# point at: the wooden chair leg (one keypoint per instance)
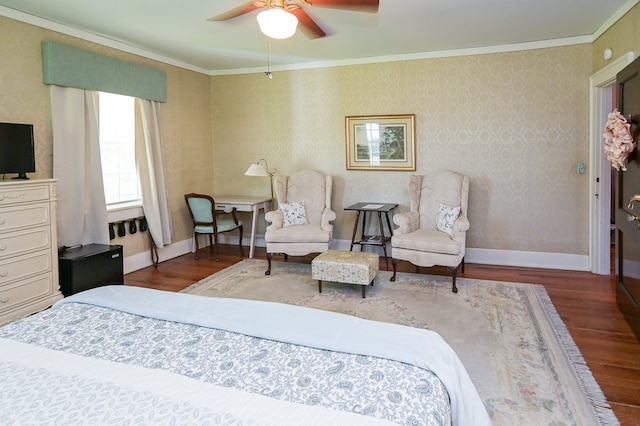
(268, 271)
(454, 271)
(215, 246)
(462, 265)
(394, 263)
(319, 286)
(240, 242)
(195, 239)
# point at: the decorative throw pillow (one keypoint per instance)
(294, 214)
(446, 216)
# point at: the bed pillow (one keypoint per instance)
(294, 214)
(446, 216)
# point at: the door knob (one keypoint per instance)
(634, 199)
(633, 218)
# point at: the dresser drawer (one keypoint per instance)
(23, 292)
(27, 216)
(24, 194)
(28, 265)
(21, 242)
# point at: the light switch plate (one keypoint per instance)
(582, 168)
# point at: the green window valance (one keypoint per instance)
(68, 66)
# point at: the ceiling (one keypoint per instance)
(179, 30)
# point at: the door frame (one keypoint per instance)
(600, 105)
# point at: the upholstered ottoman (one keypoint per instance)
(349, 267)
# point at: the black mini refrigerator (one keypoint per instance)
(90, 266)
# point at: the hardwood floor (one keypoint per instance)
(585, 302)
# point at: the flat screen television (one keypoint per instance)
(17, 152)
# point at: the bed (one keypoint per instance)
(120, 354)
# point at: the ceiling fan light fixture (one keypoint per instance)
(277, 23)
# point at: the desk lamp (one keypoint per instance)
(257, 169)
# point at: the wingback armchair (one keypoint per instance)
(434, 231)
(301, 224)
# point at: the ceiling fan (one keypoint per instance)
(286, 10)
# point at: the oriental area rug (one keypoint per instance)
(515, 347)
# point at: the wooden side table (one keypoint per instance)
(376, 240)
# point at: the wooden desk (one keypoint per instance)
(244, 204)
(377, 240)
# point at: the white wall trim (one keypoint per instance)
(600, 171)
(525, 259)
(503, 48)
(142, 260)
(124, 46)
(104, 41)
(528, 259)
(613, 19)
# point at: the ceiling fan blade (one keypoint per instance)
(305, 23)
(238, 11)
(370, 6)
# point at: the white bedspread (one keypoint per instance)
(309, 327)
(45, 387)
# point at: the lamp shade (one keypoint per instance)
(277, 23)
(256, 170)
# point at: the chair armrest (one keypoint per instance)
(460, 227)
(328, 215)
(407, 222)
(276, 218)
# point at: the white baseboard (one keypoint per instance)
(528, 259)
(142, 260)
(525, 259)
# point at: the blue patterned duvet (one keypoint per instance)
(367, 385)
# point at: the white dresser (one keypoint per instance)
(28, 248)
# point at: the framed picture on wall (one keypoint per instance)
(381, 142)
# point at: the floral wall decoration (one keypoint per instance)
(618, 141)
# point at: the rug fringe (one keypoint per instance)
(601, 408)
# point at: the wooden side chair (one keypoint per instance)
(209, 221)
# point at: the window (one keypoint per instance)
(117, 150)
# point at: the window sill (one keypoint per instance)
(124, 212)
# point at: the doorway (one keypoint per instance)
(602, 102)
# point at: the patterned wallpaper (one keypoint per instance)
(186, 124)
(516, 123)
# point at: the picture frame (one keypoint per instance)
(381, 142)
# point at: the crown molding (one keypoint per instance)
(139, 51)
(98, 39)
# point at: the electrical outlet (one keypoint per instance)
(582, 168)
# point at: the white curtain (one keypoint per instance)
(82, 211)
(151, 172)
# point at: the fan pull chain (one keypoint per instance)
(268, 73)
